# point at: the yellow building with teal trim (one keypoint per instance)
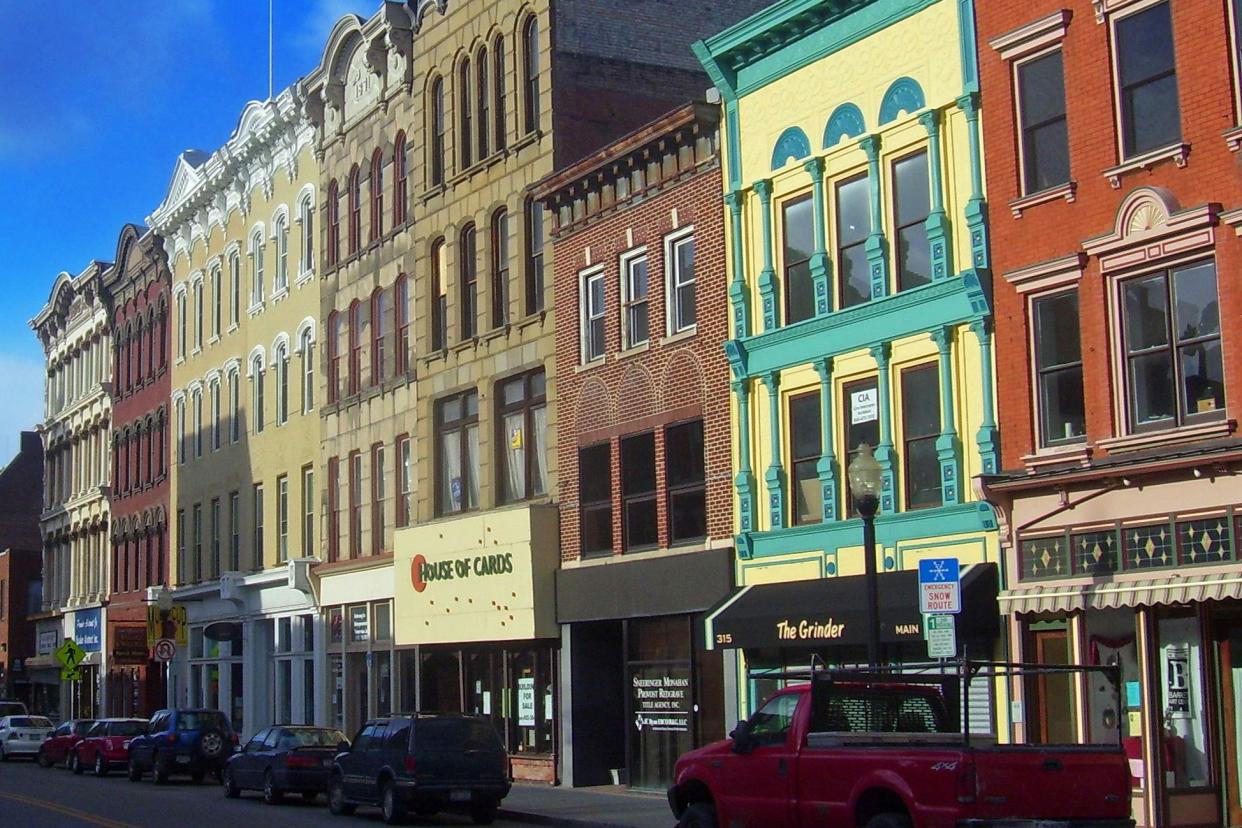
(859, 308)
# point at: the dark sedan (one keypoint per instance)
(284, 759)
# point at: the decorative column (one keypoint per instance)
(767, 276)
(876, 246)
(976, 208)
(946, 443)
(745, 479)
(774, 477)
(738, 297)
(884, 451)
(986, 438)
(827, 465)
(937, 223)
(821, 275)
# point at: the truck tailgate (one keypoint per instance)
(1061, 782)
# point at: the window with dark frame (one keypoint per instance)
(401, 180)
(639, 508)
(534, 256)
(798, 229)
(1058, 369)
(1043, 124)
(198, 542)
(405, 481)
(1175, 373)
(355, 210)
(457, 453)
(530, 66)
(592, 316)
(853, 202)
(595, 499)
(498, 87)
(401, 314)
(334, 506)
(257, 511)
(439, 298)
(805, 446)
(637, 303)
(465, 103)
(484, 103)
(523, 421)
(468, 270)
(379, 492)
(920, 425)
(216, 562)
(685, 480)
(334, 356)
(234, 531)
(379, 335)
(436, 145)
(500, 268)
(357, 336)
(911, 206)
(377, 195)
(334, 228)
(355, 504)
(1147, 80)
(861, 414)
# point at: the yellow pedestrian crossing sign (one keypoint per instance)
(70, 655)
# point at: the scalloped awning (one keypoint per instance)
(1174, 588)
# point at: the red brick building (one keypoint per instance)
(21, 564)
(1112, 137)
(137, 289)
(643, 449)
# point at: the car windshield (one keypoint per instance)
(201, 720)
(29, 721)
(81, 727)
(311, 738)
(127, 728)
(456, 734)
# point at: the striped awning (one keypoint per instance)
(1175, 588)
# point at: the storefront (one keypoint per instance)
(135, 682)
(639, 685)
(475, 626)
(44, 671)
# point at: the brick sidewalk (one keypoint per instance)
(601, 807)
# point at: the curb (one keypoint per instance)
(530, 818)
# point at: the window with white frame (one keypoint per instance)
(282, 384)
(679, 266)
(282, 517)
(198, 314)
(257, 251)
(234, 288)
(1058, 368)
(256, 393)
(216, 301)
(1043, 133)
(181, 320)
(215, 415)
(308, 511)
(306, 215)
(180, 430)
(592, 315)
(282, 255)
(634, 299)
(196, 397)
(1148, 105)
(234, 405)
(307, 346)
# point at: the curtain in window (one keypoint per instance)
(450, 451)
(515, 440)
(539, 440)
(472, 465)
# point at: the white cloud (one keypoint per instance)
(22, 407)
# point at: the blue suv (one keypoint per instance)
(191, 742)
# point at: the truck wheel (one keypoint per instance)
(392, 809)
(336, 798)
(133, 771)
(701, 815)
(889, 821)
(483, 813)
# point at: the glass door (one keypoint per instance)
(1228, 635)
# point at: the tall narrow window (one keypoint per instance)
(498, 91)
(257, 255)
(805, 445)
(1147, 80)
(401, 316)
(401, 180)
(465, 132)
(534, 256)
(405, 481)
(468, 268)
(379, 334)
(1043, 132)
(235, 531)
(920, 426)
(436, 145)
(334, 223)
(439, 301)
(853, 227)
(685, 479)
(198, 324)
(1058, 369)
(334, 506)
(307, 346)
(595, 498)
(911, 204)
(679, 257)
(355, 209)
(282, 255)
(634, 297)
(197, 563)
(183, 569)
(217, 301)
(334, 356)
(638, 492)
(215, 415)
(282, 384)
(377, 195)
(799, 243)
(457, 453)
(234, 288)
(306, 215)
(282, 518)
(485, 104)
(256, 394)
(500, 268)
(523, 420)
(308, 512)
(181, 336)
(257, 507)
(357, 336)
(355, 505)
(234, 405)
(216, 562)
(592, 315)
(861, 416)
(530, 66)
(197, 399)
(379, 493)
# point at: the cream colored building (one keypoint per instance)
(240, 231)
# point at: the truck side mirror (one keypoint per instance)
(743, 741)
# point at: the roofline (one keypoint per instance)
(1052, 479)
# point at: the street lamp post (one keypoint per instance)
(866, 478)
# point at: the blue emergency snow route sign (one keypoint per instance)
(940, 586)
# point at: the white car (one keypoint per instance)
(22, 735)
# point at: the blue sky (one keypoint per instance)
(96, 100)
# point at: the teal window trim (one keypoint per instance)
(767, 276)
(946, 443)
(792, 145)
(774, 477)
(845, 123)
(821, 267)
(937, 224)
(877, 245)
(744, 481)
(882, 353)
(986, 438)
(826, 468)
(976, 207)
(903, 95)
(739, 298)
(968, 40)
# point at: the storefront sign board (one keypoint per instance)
(526, 701)
(940, 585)
(87, 629)
(129, 645)
(47, 641)
(661, 699)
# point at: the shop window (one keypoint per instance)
(457, 448)
(679, 262)
(685, 479)
(595, 498)
(1203, 541)
(523, 418)
(1095, 553)
(1114, 710)
(383, 622)
(1172, 345)
(853, 227)
(359, 625)
(920, 418)
(1043, 134)
(861, 410)
(911, 205)
(634, 299)
(284, 634)
(805, 445)
(336, 631)
(798, 223)
(1147, 80)
(1183, 711)
(1058, 369)
(638, 492)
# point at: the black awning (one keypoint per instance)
(833, 611)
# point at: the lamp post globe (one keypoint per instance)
(866, 480)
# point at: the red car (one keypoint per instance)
(59, 746)
(106, 744)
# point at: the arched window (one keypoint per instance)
(498, 90)
(401, 321)
(485, 104)
(258, 251)
(234, 288)
(139, 335)
(534, 256)
(401, 175)
(163, 337)
(307, 346)
(377, 195)
(334, 223)
(215, 415)
(234, 405)
(198, 314)
(306, 215)
(196, 403)
(181, 337)
(256, 393)
(468, 274)
(151, 339)
(282, 255)
(435, 163)
(217, 301)
(439, 301)
(357, 336)
(379, 333)
(355, 209)
(334, 356)
(530, 67)
(465, 136)
(500, 268)
(282, 384)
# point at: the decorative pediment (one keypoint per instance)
(791, 145)
(1150, 225)
(904, 95)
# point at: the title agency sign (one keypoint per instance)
(87, 630)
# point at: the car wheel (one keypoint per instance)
(75, 763)
(889, 821)
(272, 795)
(101, 767)
(336, 798)
(392, 809)
(41, 758)
(230, 785)
(309, 796)
(211, 744)
(698, 815)
(160, 771)
(484, 813)
(133, 772)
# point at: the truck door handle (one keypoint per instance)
(781, 767)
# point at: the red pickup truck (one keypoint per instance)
(868, 751)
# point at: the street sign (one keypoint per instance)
(940, 585)
(941, 636)
(69, 654)
(70, 674)
(165, 649)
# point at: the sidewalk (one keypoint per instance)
(599, 807)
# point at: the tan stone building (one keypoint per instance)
(434, 120)
(240, 232)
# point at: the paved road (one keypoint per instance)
(31, 797)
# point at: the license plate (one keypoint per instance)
(459, 796)
(183, 760)
(327, 763)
